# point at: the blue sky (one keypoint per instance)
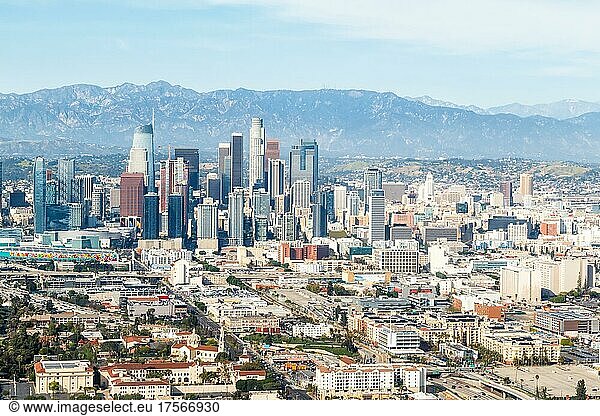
(486, 53)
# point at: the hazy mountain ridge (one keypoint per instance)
(560, 110)
(343, 121)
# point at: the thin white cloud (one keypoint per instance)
(455, 26)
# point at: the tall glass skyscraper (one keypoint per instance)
(66, 178)
(143, 138)
(237, 159)
(261, 207)
(39, 195)
(175, 229)
(192, 157)
(304, 163)
(224, 171)
(151, 219)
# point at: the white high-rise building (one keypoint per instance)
(138, 162)
(428, 190)
(236, 217)
(520, 284)
(143, 138)
(257, 154)
(339, 201)
(301, 194)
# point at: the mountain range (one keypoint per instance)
(560, 110)
(84, 118)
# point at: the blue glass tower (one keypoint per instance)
(39, 195)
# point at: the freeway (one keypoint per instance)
(506, 390)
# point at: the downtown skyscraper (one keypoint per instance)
(237, 160)
(256, 173)
(66, 179)
(224, 171)
(304, 163)
(372, 179)
(376, 215)
(39, 195)
(141, 155)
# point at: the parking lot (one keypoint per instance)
(560, 380)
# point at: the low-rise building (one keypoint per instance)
(63, 376)
(567, 322)
(520, 347)
(311, 330)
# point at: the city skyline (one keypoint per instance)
(333, 242)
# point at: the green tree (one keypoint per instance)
(54, 387)
(581, 390)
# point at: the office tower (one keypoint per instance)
(66, 176)
(236, 217)
(176, 217)
(301, 194)
(51, 190)
(191, 156)
(98, 206)
(77, 217)
(326, 197)
(276, 178)
(84, 186)
(1, 182)
(174, 178)
(138, 162)
(151, 219)
(428, 193)
(319, 215)
(376, 215)
(289, 227)
(272, 150)
(256, 171)
(339, 201)
(132, 195)
(57, 217)
(39, 195)
(237, 160)
(224, 172)
(114, 200)
(507, 193)
(372, 179)
(213, 186)
(353, 203)
(261, 207)
(143, 138)
(207, 219)
(526, 184)
(304, 163)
